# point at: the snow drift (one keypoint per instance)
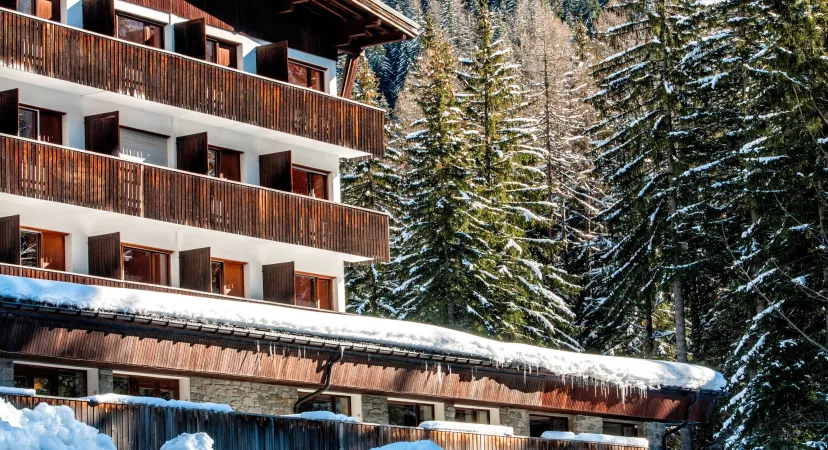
(419, 445)
(47, 428)
(186, 441)
(595, 438)
(623, 372)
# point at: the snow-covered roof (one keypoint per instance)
(619, 371)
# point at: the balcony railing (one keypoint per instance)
(58, 51)
(76, 177)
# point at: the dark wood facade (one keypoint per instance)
(47, 172)
(135, 427)
(46, 48)
(104, 344)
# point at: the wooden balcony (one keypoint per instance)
(60, 174)
(58, 51)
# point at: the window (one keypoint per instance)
(140, 31)
(221, 53)
(40, 124)
(45, 9)
(620, 429)
(224, 163)
(409, 414)
(306, 75)
(42, 249)
(146, 386)
(312, 183)
(143, 146)
(469, 415)
(334, 403)
(539, 424)
(313, 291)
(51, 380)
(227, 278)
(145, 265)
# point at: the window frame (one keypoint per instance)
(550, 418)
(52, 373)
(417, 412)
(146, 22)
(38, 128)
(223, 281)
(474, 412)
(332, 398)
(161, 251)
(624, 426)
(40, 232)
(316, 277)
(220, 151)
(234, 51)
(309, 67)
(134, 384)
(311, 171)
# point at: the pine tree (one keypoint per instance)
(391, 62)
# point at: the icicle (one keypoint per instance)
(257, 346)
(440, 373)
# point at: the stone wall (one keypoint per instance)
(588, 424)
(375, 409)
(6, 373)
(243, 396)
(105, 381)
(518, 419)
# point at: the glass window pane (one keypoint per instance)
(211, 51)
(21, 382)
(305, 291)
(120, 385)
(217, 277)
(42, 385)
(318, 403)
(130, 29)
(612, 428)
(137, 265)
(300, 182)
(426, 413)
(27, 123)
(26, 6)
(154, 35)
(319, 185)
(71, 384)
(212, 162)
(30, 248)
(160, 269)
(403, 415)
(343, 405)
(297, 74)
(482, 417)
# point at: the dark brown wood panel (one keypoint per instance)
(272, 60)
(9, 110)
(276, 171)
(99, 16)
(191, 153)
(138, 427)
(278, 283)
(51, 127)
(105, 256)
(147, 348)
(10, 239)
(54, 50)
(103, 133)
(194, 269)
(191, 38)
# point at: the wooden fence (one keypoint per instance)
(60, 174)
(54, 50)
(135, 427)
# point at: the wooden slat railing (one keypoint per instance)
(60, 174)
(136, 427)
(78, 56)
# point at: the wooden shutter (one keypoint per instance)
(191, 153)
(191, 38)
(52, 250)
(233, 279)
(194, 269)
(276, 171)
(9, 111)
(103, 133)
(10, 240)
(99, 16)
(278, 282)
(51, 127)
(105, 256)
(272, 61)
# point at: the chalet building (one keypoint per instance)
(171, 226)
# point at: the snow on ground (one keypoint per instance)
(494, 430)
(154, 401)
(324, 415)
(17, 391)
(419, 445)
(595, 438)
(186, 441)
(623, 372)
(47, 428)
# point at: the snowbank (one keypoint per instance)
(325, 415)
(17, 391)
(47, 428)
(623, 372)
(595, 438)
(153, 401)
(186, 441)
(419, 445)
(494, 430)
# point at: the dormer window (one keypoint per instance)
(140, 31)
(306, 75)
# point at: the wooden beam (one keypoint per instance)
(376, 39)
(354, 29)
(349, 75)
(286, 6)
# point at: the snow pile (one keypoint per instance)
(595, 438)
(17, 391)
(198, 441)
(47, 428)
(494, 430)
(623, 372)
(419, 445)
(325, 415)
(153, 401)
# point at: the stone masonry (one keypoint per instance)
(105, 381)
(243, 396)
(588, 424)
(518, 419)
(654, 431)
(6, 373)
(375, 409)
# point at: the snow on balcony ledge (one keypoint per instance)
(492, 430)
(625, 373)
(595, 438)
(17, 391)
(154, 401)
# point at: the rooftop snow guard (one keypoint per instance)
(622, 372)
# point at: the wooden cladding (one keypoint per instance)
(194, 269)
(191, 38)
(56, 51)
(103, 133)
(138, 427)
(278, 283)
(105, 256)
(42, 171)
